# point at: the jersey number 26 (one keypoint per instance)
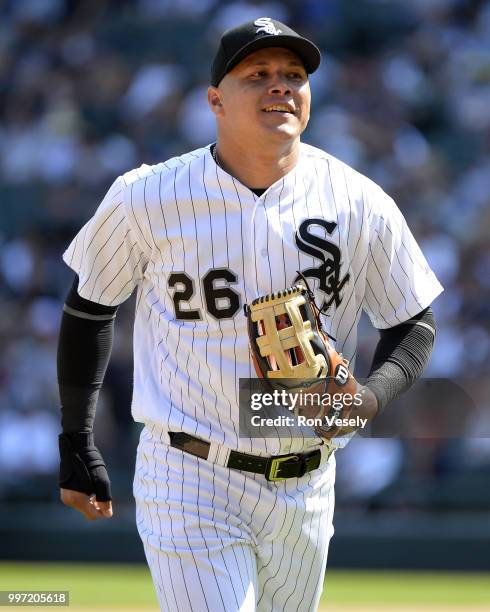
(222, 302)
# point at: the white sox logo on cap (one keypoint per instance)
(237, 43)
(264, 24)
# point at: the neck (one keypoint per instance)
(255, 167)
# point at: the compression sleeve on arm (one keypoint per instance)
(84, 348)
(401, 356)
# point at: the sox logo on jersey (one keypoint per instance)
(327, 273)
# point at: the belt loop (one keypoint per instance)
(218, 454)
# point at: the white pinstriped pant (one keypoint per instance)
(218, 539)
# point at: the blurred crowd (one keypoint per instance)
(90, 89)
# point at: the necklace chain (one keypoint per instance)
(214, 154)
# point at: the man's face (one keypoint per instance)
(266, 95)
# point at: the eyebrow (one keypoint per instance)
(266, 62)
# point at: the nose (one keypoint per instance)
(279, 85)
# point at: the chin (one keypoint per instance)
(283, 131)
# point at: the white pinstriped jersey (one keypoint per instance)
(198, 244)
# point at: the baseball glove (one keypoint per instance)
(291, 351)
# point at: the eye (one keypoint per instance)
(258, 74)
(297, 76)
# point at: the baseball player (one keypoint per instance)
(230, 522)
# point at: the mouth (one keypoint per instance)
(279, 108)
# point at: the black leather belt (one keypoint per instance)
(275, 468)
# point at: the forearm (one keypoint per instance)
(401, 356)
(84, 348)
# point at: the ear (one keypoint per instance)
(214, 100)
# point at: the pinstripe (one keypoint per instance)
(99, 229)
(161, 583)
(255, 508)
(203, 538)
(199, 276)
(266, 519)
(392, 276)
(219, 322)
(267, 238)
(314, 576)
(366, 300)
(254, 244)
(373, 259)
(355, 319)
(350, 207)
(360, 231)
(330, 509)
(150, 310)
(118, 272)
(243, 274)
(85, 246)
(242, 263)
(136, 218)
(150, 514)
(309, 214)
(138, 296)
(300, 563)
(179, 325)
(166, 463)
(172, 261)
(285, 282)
(293, 208)
(400, 263)
(386, 225)
(72, 257)
(236, 573)
(187, 374)
(130, 281)
(239, 569)
(373, 294)
(279, 565)
(343, 307)
(228, 264)
(99, 251)
(293, 555)
(203, 591)
(84, 232)
(345, 310)
(332, 191)
(223, 546)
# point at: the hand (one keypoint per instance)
(367, 410)
(84, 481)
(89, 506)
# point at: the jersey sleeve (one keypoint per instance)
(106, 254)
(399, 281)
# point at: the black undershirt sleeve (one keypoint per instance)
(84, 348)
(401, 355)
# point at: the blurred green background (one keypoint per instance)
(93, 587)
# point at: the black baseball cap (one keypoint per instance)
(237, 43)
